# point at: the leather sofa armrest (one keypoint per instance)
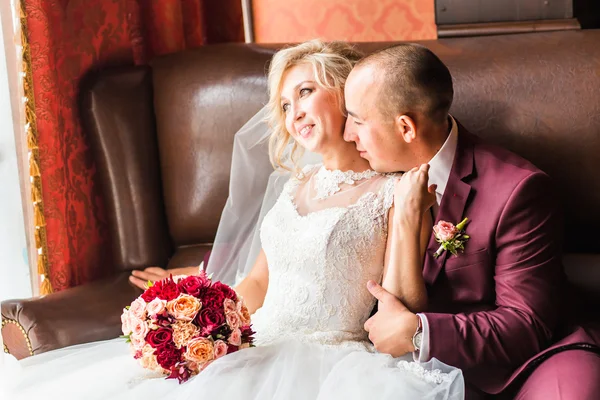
(82, 314)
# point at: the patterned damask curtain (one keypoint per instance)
(66, 39)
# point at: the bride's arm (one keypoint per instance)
(408, 234)
(254, 287)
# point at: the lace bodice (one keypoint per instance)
(320, 260)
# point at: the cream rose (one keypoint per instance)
(183, 332)
(185, 307)
(138, 308)
(156, 306)
(220, 349)
(445, 230)
(236, 337)
(200, 350)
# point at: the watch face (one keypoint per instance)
(418, 340)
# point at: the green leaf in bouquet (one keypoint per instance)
(149, 284)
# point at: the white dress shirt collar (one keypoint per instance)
(441, 164)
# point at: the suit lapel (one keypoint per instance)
(453, 202)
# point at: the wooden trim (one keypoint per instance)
(248, 21)
(503, 28)
(20, 327)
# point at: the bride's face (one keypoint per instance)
(312, 113)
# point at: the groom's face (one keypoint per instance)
(367, 126)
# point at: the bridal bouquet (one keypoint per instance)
(181, 324)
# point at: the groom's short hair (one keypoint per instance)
(412, 79)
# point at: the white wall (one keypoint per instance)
(15, 279)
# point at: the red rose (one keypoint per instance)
(160, 337)
(212, 298)
(210, 319)
(192, 285)
(228, 292)
(167, 356)
(168, 290)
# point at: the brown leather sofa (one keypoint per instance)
(162, 138)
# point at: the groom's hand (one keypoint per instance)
(391, 329)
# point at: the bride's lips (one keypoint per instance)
(305, 130)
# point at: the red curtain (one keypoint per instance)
(67, 38)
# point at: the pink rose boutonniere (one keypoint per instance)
(451, 238)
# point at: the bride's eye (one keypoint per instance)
(305, 91)
(285, 108)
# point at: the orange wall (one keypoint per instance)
(284, 21)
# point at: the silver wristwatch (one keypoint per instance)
(417, 338)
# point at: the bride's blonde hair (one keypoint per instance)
(331, 63)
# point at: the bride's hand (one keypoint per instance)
(153, 274)
(411, 194)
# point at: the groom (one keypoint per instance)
(493, 309)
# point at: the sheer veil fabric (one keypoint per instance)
(253, 189)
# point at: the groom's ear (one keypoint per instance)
(406, 128)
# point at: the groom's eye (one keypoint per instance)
(357, 122)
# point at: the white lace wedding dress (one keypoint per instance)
(324, 239)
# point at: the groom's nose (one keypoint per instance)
(349, 134)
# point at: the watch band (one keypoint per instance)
(417, 332)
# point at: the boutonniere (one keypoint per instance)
(451, 238)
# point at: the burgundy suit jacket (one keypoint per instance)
(495, 308)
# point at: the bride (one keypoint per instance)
(332, 227)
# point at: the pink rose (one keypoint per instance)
(220, 349)
(138, 308)
(139, 329)
(125, 322)
(236, 337)
(156, 306)
(233, 320)
(229, 306)
(445, 230)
